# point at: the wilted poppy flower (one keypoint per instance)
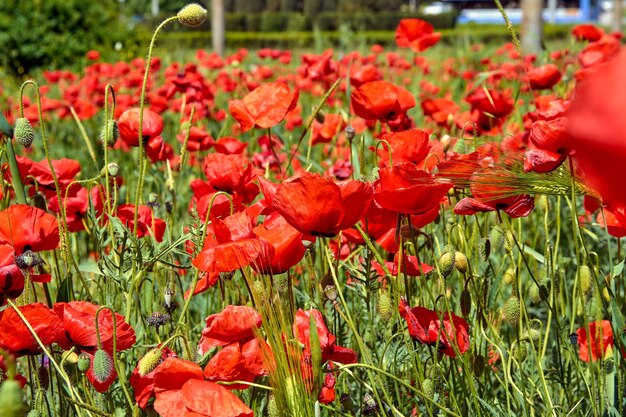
(594, 347)
(147, 224)
(405, 189)
(23, 228)
(416, 34)
(380, 100)
(11, 283)
(544, 77)
(16, 338)
(180, 389)
(128, 124)
(265, 106)
(320, 207)
(426, 327)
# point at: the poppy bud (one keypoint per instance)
(110, 133)
(520, 351)
(192, 15)
(369, 405)
(102, 365)
(149, 362)
(11, 403)
(330, 292)
(384, 305)
(509, 241)
(350, 133)
(460, 262)
(466, 303)
(585, 279)
(44, 378)
(319, 117)
(347, 404)
(511, 310)
(496, 237)
(509, 276)
(484, 249)
(23, 132)
(38, 200)
(168, 293)
(479, 365)
(606, 295)
(69, 357)
(534, 294)
(408, 232)
(272, 407)
(84, 362)
(153, 200)
(428, 388)
(446, 263)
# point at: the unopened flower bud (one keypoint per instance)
(102, 365)
(585, 279)
(113, 169)
(350, 133)
(460, 262)
(446, 263)
(109, 133)
(466, 303)
(385, 309)
(192, 15)
(83, 362)
(149, 362)
(23, 132)
(511, 310)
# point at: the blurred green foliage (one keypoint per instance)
(56, 33)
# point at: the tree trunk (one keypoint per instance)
(218, 36)
(532, 26)
(616, 25)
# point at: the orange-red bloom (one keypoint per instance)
(416, 34)
(594, 347)
(380, 100)
(265, 106)
(16, 338)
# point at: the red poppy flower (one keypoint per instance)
(147, 224)
(330, 351)
(233, 324)
(416, 34)
(128, 124)
(11, 283)
(239, 361)
(587, 32)
(181, 390)
(265, 106)
(320, 207)
(406, 146)
(597, 128)
(39, 172)
(426, 327)
(17, 339)
(410, 266)
(232, 174)
(441, 110)
(230, 256)
(199, 139)
(326, 131)
(544, 77)
(23, 228)
(76, 206)
(551, 141)
(143, 386)
(287, 243)
(601, 51)
(80, 331)
(405, 189)
(364, 74)
(380, 100)
(592, 348)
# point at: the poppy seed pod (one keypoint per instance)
(192, 15)
(102, 365)
(23, 132)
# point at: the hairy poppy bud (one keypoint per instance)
(520, 351)
(149, 362)
(496, 237)
(534, 293)
(102, 365)
(460, 262)
(110, 133)
(11, 403)
(347, 404)
(479, 365)
(44, 378)
(428, 388)
(23, 132)
(69, 357)
(585, 279)
(192, 15)
(511, 310)
(509, 241)
(484, 249)
(83, 362)
(466, 303)
(384, 305)
(113, 169)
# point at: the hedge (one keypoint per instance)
(296, 39)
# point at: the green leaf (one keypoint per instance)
(5, 127)
(617, 269)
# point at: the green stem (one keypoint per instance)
(18, 186)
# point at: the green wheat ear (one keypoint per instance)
(5, 127)
(102, 365)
